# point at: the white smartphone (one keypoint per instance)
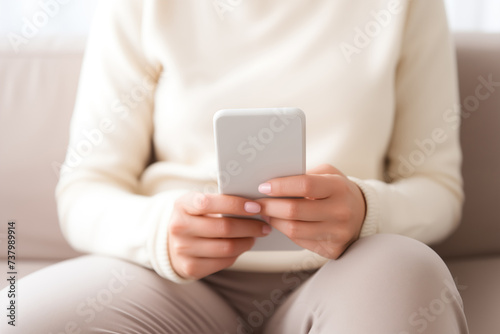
(254, 146)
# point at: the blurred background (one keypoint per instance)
(74, 16)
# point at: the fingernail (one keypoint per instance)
(266, 229)
(265, 188)
(252, 207)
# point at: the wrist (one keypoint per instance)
(370, 221)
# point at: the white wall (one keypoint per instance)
(475, 15)
(51, 17)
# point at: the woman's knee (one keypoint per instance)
(395, 263)
(394, 278)
(387, 256)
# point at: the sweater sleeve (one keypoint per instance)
(422, 196)
(100, 206)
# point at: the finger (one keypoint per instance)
(295, 229)
(220, 227)
(201, 204)
(324, 169)
(312, 186)
(212, 247)
(295, 209)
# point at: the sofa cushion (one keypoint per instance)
(477, 281)
(37, 94)
(479, 62)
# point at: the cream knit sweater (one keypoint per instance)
(375, 78)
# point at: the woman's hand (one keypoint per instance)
(326, 219)
(202, 242)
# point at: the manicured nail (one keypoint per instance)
(266, 229)
(265, 188)
(252, 207)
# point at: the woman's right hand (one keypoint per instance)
(202, 242)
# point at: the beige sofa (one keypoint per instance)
(37, 91)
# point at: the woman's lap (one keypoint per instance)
(94, 294)
(382, 284)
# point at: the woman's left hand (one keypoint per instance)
(328, 216)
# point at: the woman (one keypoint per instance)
(376, 80)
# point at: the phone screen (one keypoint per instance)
(254, 146)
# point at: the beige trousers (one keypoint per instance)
(383, 284)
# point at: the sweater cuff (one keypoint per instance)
(158, 240)
(370, 224)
